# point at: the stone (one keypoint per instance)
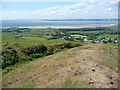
(111, 83)
(91, 83)
(93, 70)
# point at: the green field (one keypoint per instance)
(109, 36)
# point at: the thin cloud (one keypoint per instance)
(82, 9)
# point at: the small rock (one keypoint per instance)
(97, 65)
(75, 74)
(91, 83)
(110, 77)
(9, 82)
(93, 70)
(111, 83)
(83, 59)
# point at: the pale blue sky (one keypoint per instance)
(60, 10)
(28, 6)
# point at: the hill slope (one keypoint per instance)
(89, 66)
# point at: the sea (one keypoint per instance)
(31, 23)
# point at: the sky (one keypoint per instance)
(83, 9)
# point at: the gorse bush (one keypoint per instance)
(27, 58)
(37, 55)
(58, 47)
(9, 68)
(59, 50)
(68, 45)
(10, 58)
(76, 45)
(35, 49)
(54, 47)
(48, 52)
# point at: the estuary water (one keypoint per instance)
(30, 23)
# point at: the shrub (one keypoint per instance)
(76, 45)
(54, 47)
(67, 45)
(35, 49)
(27, 58)
(9, 68)
(59, 47)
(59, 50)
(10, 58)
(48, 52)
(37, 55)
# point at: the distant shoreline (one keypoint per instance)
(86, 26)
(58, 27)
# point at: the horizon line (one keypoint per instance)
(64, 19)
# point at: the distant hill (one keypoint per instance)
(60, 20)
(79, 19)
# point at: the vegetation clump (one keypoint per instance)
(9, 58)
(35, 49)
(16, 30)
(65, 45)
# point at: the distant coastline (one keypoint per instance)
(35, 27)
(56, 24)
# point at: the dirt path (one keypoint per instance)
(94, 66)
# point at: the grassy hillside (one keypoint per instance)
(88, 66)
(59, 58)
